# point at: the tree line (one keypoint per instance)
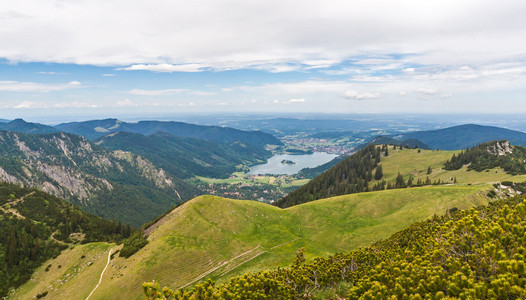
(487, 156)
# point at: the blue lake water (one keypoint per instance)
(275, 167)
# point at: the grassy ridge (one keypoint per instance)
(411, 162)
(217, 238)
(212, 237)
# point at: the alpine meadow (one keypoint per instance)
(232, 150)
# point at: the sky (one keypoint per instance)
(113, 57)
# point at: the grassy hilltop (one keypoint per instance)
(217, 238)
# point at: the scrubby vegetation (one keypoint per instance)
(133, 244)
(476, 254)
(37, 226)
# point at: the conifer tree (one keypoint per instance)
(379, 173)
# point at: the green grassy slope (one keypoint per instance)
(212, 237)
(410, 162)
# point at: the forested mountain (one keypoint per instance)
(491, 155)
(476, 254)
(20, 125)
(98, 128)
(187, 157)
(463, 136)
(111, 184)
(351, 175)
(410, 142)
(36, 226)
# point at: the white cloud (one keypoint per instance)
(165, 68)
(29, 105)
(108, 75)
(354, 95)
(427, 91)
(125, 103)
(52, 73)
(168, 92)
(222, 35)
(164, 92)
(301, 87)
(75, 104)
(201, 93)
(20, 86)
(294, 101)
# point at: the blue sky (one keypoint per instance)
(104, 58)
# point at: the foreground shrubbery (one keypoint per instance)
(476, 254)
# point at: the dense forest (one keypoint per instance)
(490, 155)
(187, 157)
(351, 175)
(37, 226)
(475, 254)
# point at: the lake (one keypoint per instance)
(275, 167)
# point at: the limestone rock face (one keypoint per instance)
(72, 168)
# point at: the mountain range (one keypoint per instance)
(95, 129)
(111, 184)
(464, 136)
(20, 125)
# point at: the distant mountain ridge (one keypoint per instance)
(463, 136)
(111, 184)
(95, 129)
(20, 125)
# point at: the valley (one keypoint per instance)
(216, 238)
(337, 205)
(262, 150)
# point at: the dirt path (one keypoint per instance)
(9, 206)
(101, 274)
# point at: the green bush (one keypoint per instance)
(133, 244)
